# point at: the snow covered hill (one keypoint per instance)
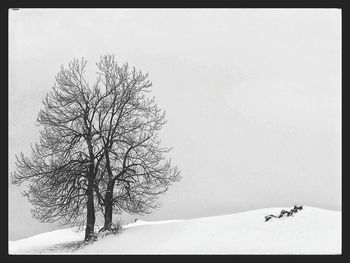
(310, 231)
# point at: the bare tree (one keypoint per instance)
(96, 144)
(62, 167)
(135, 169)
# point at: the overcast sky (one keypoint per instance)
(252, 96)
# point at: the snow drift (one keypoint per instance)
(310, 231)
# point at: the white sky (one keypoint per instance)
(253, 98)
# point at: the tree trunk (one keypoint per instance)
(109, 196)
(108, 208)
(90, 217)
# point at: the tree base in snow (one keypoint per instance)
(90, 239)
(115, 228)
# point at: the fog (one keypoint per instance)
(252, 97)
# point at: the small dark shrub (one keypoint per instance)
(283, 213)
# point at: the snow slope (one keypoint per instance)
(310, 231)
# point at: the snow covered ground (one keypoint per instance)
(310, 231)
